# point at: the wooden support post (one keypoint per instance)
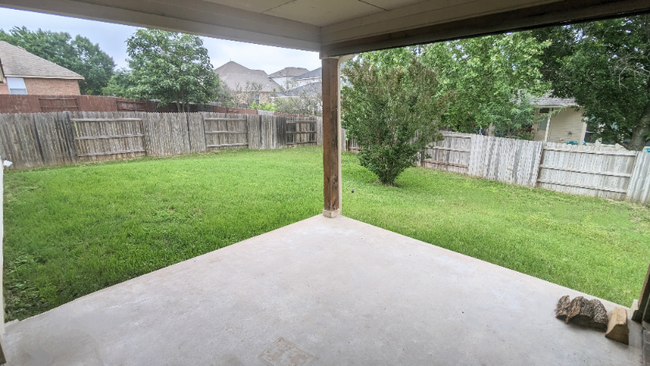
(644, 300)
(331, 137)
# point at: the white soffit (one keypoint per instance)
(323, 12)
(335, 27)
(256, 6)
(419, 15)
(190, 16)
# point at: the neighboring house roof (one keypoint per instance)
(548, 101)
(16, 62)
(310, 90)
(289, 72)
(312, 74)
(236, 76)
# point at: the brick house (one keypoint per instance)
(24, 73)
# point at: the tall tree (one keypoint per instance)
(171, 67)
(392, 113)
(605, 66)
(120, 84)
(78, 54)
(494, 80)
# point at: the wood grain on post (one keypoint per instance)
(617, 326)
(331, 138)
(637, 315)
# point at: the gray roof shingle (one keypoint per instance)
(548, 101)
(309, 90)
(16, 62)
(312, 74)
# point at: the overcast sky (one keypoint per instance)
(112, 37)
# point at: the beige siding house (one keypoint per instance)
(564, 123)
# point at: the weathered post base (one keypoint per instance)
(332, 214)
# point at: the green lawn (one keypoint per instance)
(73, 230)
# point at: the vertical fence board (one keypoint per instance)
(254, 124)
(196, 132)
(639, 188)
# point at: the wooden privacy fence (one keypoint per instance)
(450, 154)
(585, 170)
(107, 134)
(505, 160)
(43, 139)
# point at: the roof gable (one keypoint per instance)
(289, 72)
(548, 101)
(16, 62)
(236, 76)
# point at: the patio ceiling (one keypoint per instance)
(337, 27)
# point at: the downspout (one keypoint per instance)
(548, 126)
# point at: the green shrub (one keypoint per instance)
(391, 113)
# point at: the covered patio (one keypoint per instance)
(327, 290)
(319, 292)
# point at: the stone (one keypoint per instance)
(617, 326)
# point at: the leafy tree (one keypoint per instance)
(78, 54)
(605, 66)
(263, 106)
(120, 84)
(94, 65)
(243, 96)
(494, 80)
(305, 100)
(171, 67)
(392, 112)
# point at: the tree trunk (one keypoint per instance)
(640, 134)
(178, 107)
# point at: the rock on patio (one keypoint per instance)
(319, 292)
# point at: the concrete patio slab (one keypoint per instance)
(319, 292)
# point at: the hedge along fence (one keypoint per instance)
(46, 139)
(603, 172)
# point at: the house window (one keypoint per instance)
(16, 86)
(543, 110)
